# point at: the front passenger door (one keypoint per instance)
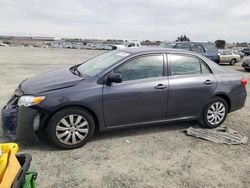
(142, 95)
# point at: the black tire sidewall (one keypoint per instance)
(233, 62)
(203, 119)
(51, 129)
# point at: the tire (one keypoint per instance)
(71, 128)
(233, 62)
(219, 115)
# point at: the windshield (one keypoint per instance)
(100, 63)
(126, 44)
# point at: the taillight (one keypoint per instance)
(244, 82)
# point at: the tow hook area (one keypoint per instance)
(36, 122)
(20, 123)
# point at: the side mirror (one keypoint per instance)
(114, 77)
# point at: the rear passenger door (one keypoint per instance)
(191, 84)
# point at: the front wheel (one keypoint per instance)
(214, 113)
(71, 128)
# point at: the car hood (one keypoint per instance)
(50, 81)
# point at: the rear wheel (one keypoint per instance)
(232, 62)
(71, 128)
(214, 113)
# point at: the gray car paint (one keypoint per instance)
(137, 102)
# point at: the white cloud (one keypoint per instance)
(137, 19)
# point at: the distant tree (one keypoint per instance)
(182, 38)
(243, 44)
(6, 42)
(220, 44)
(158, 42)
(146, 42)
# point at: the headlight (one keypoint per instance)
(30, 100)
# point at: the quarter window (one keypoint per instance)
(204, 69)
(142, 67)
(185, 65)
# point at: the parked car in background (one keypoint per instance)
(128, 44)
(246, 63)
(239, 52)
(246, 51)
(205, 48)
(226, 56)
(120, 89)
(166, 44)
(2, 44)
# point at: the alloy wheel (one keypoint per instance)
(72, 129)
(216, 113)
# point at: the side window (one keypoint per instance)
(131, 45)
(197, 48)
(142, 67)
(184, 65)
(227, 53)
(222, 52)
(204, 69)
(184, 46)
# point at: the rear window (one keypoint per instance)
(184, 46)
(197, 48)
(210, 47)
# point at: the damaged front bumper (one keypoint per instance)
(20, 123)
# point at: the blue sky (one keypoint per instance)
(136, 19)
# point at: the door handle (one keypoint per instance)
(208, 82)
(161, 86)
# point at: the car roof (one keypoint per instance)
(191, 42)
(151, 50)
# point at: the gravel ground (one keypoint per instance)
(155, 156)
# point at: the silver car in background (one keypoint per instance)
(226, 56)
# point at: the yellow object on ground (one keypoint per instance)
(12, 169)
(6, 147)
(3, 165)
(8, 160)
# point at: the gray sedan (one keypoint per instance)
(123, 88)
